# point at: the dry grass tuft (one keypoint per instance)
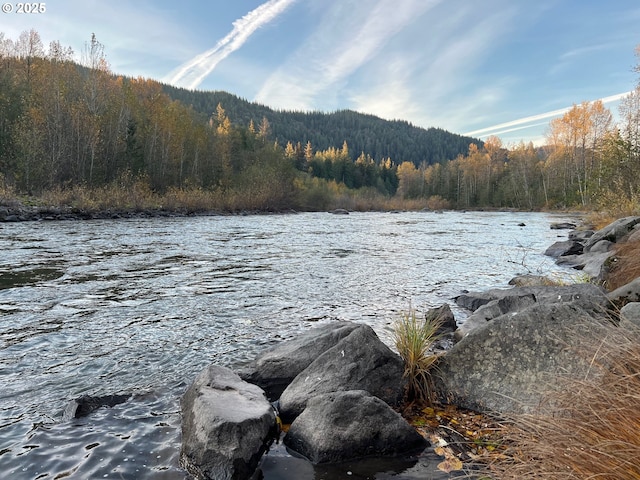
(595, 431)
(414, 339)
(625, 267)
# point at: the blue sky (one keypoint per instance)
(475, 67)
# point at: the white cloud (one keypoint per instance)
(587, 50)
(349, 36)
(437, 83)
(191, 73)
(529, 122)
(134, 34)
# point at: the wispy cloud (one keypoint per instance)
(436, 82)
(134, 36)
(193, 72)
(587, 50)
(339, 46)
(530, 121)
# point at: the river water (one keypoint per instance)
(140, 306)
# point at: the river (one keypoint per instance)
(140, 306)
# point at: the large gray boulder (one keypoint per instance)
(360, 361)
(592, 263)
(507, 365)
(227, 424)
(613, 232)
(341, 426)
(583, 292)
(276, 368)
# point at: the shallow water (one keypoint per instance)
(141, 306)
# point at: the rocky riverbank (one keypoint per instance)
(35, 214)
(340, 387)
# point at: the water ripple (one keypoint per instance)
(141, 306)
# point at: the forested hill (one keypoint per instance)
(398, 140)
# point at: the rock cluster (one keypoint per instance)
(28, 214)
(590, 251)
(519, 343)
(336, 384)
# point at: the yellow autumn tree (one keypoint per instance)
(573, 140)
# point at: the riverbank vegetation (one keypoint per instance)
(594, 430)
(588, 429)
(75, 134)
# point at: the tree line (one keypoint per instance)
(66, 123)
(587, 161)
(380, 139)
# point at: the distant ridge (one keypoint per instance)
(395, 139)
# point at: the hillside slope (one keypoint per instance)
(396, 139)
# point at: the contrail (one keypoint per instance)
(191, 73)
(534, 118)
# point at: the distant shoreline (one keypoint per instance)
(27, 213)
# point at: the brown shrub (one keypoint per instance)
(625, 265)
(594, 430)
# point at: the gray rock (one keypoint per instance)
(226, 425)
(635, 234)
(360, 361)
(631, 313)
(583, 292)
(573, 261)
(564, 248)
(580, 235)
(276, 368)
(444, 315)
(602, 246)
(340, 211)
(86, 404)
(595, 263)
(613, 232)
(474, 300)
(528, 280)
(507, 365)
(341, 426)
(625, 294)
(563, 226)
(493, 309)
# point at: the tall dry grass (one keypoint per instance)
(625, 266)
(414, 339)
(125, 194)
(8, 197)
(593, 432)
